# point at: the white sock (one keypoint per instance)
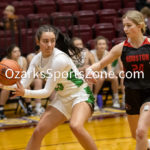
(148, 143)
(95, 96)
(38, 105)
(116, 97)
(1, 108)
(123, 98)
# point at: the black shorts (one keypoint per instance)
(134, 100)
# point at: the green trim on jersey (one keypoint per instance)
(72, 77)
(114, 63)
(59, 87)
(44, 75)
(91, 99)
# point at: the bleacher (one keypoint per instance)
(84, 18)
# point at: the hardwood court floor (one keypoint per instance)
(109, 134)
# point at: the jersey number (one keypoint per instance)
(139, 67)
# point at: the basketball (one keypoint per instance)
(10, 72)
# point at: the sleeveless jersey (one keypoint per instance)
(96, 57)
(20, 61)
(136, 62)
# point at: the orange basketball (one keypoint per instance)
(10, 72)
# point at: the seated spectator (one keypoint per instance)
(31, 55)
(14, 53)
(86, 58)
(37, 84)
(99, 52)
(146, 13)
(9, 19)
(117, 68)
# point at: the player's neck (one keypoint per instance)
(137, 41)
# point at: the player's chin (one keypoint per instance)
(49, 52)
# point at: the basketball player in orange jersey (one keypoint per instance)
(74, 99)
(135, 55)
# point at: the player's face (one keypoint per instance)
(7, 13)
(130, 28)
(47, 43)
(101, 45)
(15, 54)
(78, 43)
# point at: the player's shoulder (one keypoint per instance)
(117, 49)
(37, 55)
(119, 46)
(61, 58)
(22, 58)
(58, 54)
(31, 55)
(93, 50)
(148, 38)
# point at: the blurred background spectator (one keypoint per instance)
(9, 19)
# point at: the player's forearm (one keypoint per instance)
(96, 66)
(43, 93)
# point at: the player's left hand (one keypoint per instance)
(19, 91)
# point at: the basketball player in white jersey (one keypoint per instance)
(74, 99)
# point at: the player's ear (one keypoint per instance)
(140, 26)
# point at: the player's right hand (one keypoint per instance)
(19, 91)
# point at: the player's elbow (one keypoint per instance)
(46, 94)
